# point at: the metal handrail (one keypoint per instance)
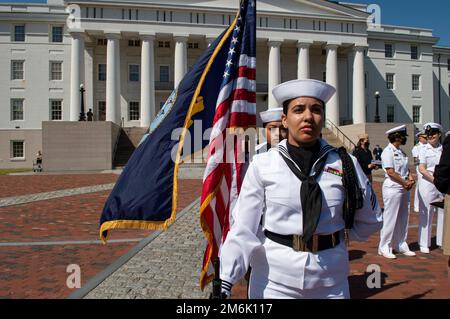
(330, 125)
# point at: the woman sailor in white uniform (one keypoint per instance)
(298, 186)
(429, 157)
(396, 187)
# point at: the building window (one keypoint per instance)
(193, 45)
(16, 109)
(102, 72)
(134, 43)
(417, 116)
(57, 34)
(390, 114)
(55, 110)
(133, 111)
(390, 81)
(164, 73)
(365, 80)
(17, 149)
(17, 70)
(416, 82)
(163, 44)
(102, 110)
(388, 50)
(19, 33)
(133, 72)
(448, 64)
(102, 41)
(414, 52)
(55, 70)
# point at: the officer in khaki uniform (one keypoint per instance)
(395, 191)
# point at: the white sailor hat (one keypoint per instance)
(271, 115)
(303, 88)
(420, 133)
(399, 129)
(432, 126)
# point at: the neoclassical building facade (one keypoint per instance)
(129, 55)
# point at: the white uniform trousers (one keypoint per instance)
(416, 192)
(260, 287)
(426, 213)
(395, 219)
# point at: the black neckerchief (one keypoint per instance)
(310, 192)
(304, 157)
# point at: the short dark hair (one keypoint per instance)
(392, 137)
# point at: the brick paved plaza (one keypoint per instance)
(50, 221)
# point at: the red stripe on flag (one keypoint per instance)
(246, 72)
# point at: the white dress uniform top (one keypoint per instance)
(396, 199)
(428, 193)
(415, 153)
(271, 188)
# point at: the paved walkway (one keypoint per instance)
(24, 199)
(53, 223)
(168, 267)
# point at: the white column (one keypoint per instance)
(113, 78)
(303, 60)
(180, 59)
(274, 70)
(76, 65)
(332, 108)
(147, 80)
(359, 96)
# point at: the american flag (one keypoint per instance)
(235, 109)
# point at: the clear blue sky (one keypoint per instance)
(430, 14)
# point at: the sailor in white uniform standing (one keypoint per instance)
(298, 186)
(395, 191)
(429, 157)
(415, 153)
(273, 129)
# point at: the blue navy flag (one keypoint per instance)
(145, 195)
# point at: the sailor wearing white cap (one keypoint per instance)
(429, 157)
(274, 130)
(422, 137)
(298, 186)
(395, 191)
